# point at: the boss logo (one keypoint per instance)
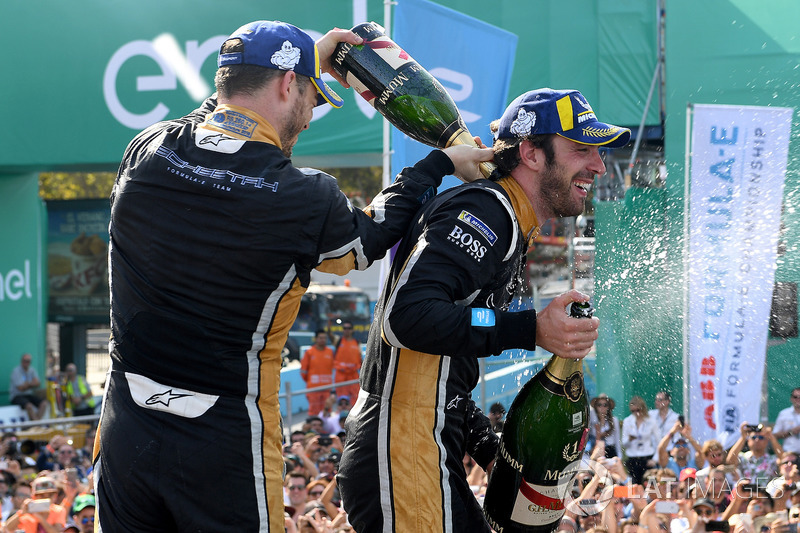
(467, 242)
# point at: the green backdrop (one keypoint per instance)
(720, 52)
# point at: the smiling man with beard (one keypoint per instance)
(446, 303)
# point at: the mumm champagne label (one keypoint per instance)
(537, 505)
(387, 51)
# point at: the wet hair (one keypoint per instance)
(506, 151)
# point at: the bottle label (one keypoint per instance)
(570, 388)
(573, 387)
(395, 57)
(537, 505)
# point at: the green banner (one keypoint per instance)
(22, 288)
(93, 76)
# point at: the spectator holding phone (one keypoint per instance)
(39, 513)
(756, 464)
(781, 487)
(297, 454)
(748, 503)
(680, 455)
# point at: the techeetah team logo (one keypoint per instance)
(287, 57)
(523, 124)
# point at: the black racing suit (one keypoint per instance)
(213, 237)
(444, 305)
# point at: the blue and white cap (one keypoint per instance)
(565, 113)
(278, 45)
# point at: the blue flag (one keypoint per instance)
(473, 60)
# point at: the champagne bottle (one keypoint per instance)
(401, 90)
(541, 447)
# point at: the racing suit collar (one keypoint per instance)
(226, 119)
(522, 207)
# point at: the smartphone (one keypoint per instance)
(667, 507)
(623, 491)
(718, 525)
(681, 420)
(752, 427)
(325, 440)
(72, 475)
(748, 489)
(39, 506)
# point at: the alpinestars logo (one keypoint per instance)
(164, 398)
(453, 404)
(215, 139)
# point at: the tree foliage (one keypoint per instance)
(364, 182)
(75, 185)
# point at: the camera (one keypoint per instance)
(718, 525)
(752, 428)
(325, 440)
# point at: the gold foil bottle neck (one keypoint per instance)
(559, 369)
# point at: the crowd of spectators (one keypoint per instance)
(682, 485)
(665, 480)
(46, 488)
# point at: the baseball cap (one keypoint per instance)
(82, 501)
(703, 502)
(687, 473)
(280, 46)
(561, 112)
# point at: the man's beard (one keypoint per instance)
(557, 192)
(290, 131)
